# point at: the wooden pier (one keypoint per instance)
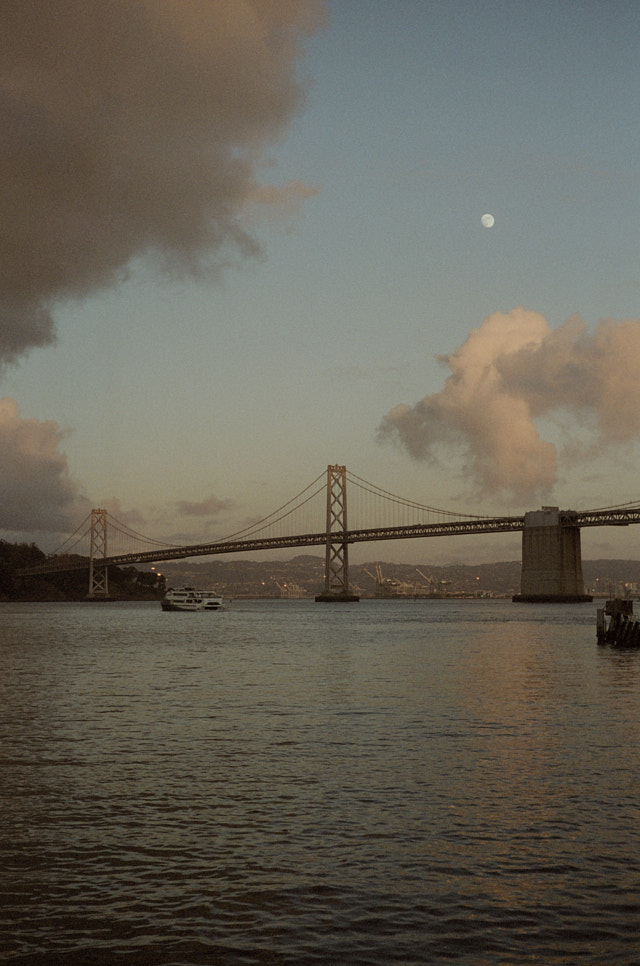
(623, 629)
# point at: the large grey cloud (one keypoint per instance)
(37, 492)
(131, 126)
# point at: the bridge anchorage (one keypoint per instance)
(551, 559)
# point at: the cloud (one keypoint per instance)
(209, 507)
(132, 127)
(513, 370)
(36, 491)
(280, 205)
(129, 516)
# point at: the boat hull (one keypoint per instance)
(183, 608)
(187, 600)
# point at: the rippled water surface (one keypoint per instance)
(291, 783)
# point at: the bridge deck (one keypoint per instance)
(572, 518)
(497, 525)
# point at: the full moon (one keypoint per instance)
(488, 221)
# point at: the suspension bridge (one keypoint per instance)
(317, 517)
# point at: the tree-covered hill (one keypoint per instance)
(125, 583)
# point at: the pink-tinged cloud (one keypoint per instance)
(36, 490)
(511, 371)
(132, 127)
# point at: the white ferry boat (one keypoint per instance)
(186, 598)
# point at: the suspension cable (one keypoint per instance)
(71, 536)
(615, 506)
(293, 509)
(284, 511)
(126, 531)
(393, 498)
(268, 520)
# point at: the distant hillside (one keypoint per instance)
(301, 576)
(272, 578)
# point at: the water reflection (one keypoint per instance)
(291, 784)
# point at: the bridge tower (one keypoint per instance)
(551, 559)
(336, 574)
(98, 571)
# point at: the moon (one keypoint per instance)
(488, 221)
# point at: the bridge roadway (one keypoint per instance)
(480, 525)
(572, 518)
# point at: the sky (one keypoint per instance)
(241, 240)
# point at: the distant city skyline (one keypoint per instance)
(244, 241)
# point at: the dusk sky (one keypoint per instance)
(242, 239)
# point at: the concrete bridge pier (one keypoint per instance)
(551, 560)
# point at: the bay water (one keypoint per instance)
(287, 782)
